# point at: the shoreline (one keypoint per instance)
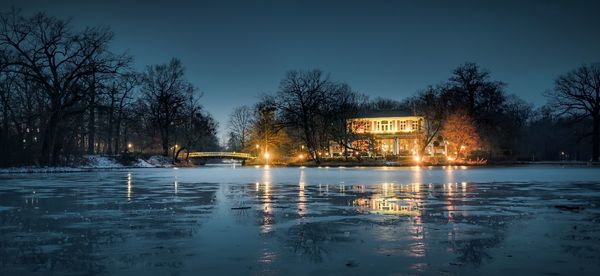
(67, 169)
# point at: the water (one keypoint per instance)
(287, 221)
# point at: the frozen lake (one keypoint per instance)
(288, 221)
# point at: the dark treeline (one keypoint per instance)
(310, 110)
(64, 93)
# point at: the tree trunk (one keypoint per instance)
(117, 135)
(58, 145)
(111, 119)
(92, 125)
(596, 139)
(175, 158)
(49, 140)
(165, 141)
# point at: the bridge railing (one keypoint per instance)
(221, 155)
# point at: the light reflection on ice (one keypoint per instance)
(270, 220)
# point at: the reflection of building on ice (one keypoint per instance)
(389, 206)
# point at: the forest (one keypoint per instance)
(64, 94)
(310, 110)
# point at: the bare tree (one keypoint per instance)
(470, 82)
(301, 100)
(577, 94)
(164, 90)
(429, 104)
(347, 105)
(120, 96)
(46, 51)
(240, 123)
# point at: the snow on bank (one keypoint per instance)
(100, 162)
(160, 161)
(94, 162)
(141, 163)
(34, 169)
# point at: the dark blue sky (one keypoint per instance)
(234, 51)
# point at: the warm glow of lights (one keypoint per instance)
(129, 145)
(417, 158)
(129, 187)
(257, 146)
(267, 155)
(300, 156)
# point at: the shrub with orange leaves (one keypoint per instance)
(461, 134)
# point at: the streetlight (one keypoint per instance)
(267, 158)
(417, 158)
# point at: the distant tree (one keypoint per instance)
(199, 133)
(268, 133)
(303, 99)
(577, 95)
(164, 91)
(471, 83)
(119, 96)
(380, 104)
(471, 88)
(240, 123)
(347, 105)
(460, 132)
(430, 104)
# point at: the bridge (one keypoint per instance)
(222, 155)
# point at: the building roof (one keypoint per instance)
(384, 113)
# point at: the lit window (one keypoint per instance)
(415, 125)
(402, 125)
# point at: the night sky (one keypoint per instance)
(234, 51)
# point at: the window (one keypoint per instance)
(402, 125)
(415, 125)
(384, 125)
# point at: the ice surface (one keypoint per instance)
(289, 221)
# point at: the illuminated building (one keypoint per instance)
(387, 132)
